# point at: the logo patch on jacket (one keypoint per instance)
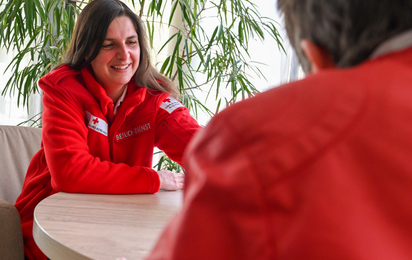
(170, 104)
(134, 131)
(97, 124)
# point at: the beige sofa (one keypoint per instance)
(17, 147)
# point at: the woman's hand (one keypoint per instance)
(171, 180)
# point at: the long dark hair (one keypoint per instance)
(90, 32)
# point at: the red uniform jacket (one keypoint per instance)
(86, 149)
(317, 169)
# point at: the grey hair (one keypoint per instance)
(350, 30)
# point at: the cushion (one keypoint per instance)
(18, 144)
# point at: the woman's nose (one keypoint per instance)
(122, 52)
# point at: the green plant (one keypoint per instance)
(221, 55)
(211, 62)
(39, 31)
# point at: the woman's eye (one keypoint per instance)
(107, 45)
(132, 42)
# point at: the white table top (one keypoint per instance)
(90, 226)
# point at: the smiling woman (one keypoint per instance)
(118, 58)
(105, 108)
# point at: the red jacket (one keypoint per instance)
(86, 149)
(317, 169)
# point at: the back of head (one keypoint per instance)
(349, 30)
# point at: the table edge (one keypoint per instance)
(51, 247)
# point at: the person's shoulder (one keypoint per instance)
(61, 73)
(293, 106)
(65, 81)
(162, 100)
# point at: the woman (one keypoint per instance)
(105, 109)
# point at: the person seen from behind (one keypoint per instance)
(319, 168)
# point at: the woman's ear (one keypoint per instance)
(318, 56)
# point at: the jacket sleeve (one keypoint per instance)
(174, 130)
(220, 194)
(72, 167)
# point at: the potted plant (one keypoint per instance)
(208, 60)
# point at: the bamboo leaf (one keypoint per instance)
(240, 32)
(165, 64)
(172, 14)
(39, 9)
(168, 40)
(211, 40)
(179, 72)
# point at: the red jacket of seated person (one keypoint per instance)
(317, 169)
(85, 148)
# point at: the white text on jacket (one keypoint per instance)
(133, 131)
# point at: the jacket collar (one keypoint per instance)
(398, 42)
(134, 96)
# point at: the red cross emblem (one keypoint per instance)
(95, 121)
(167, 100)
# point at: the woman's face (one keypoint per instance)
(119, 56)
